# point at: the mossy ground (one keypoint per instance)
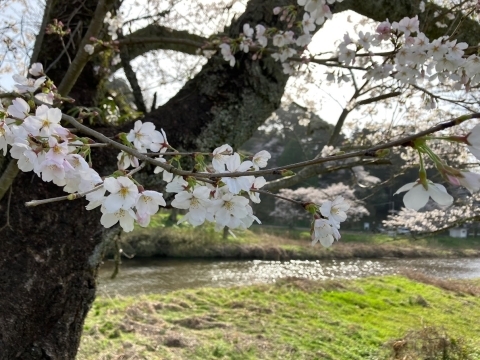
(293, 319)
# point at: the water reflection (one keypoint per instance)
(164, 275)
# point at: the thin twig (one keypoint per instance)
(7, 224)
(75, 196)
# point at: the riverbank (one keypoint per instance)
(371, 318)
(275, 243)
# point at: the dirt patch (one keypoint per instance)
(149, 330)
(200, 323)
(428, 343)
(177, 340)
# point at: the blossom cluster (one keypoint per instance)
(416, 57)
(325, 229)
(316, 12)
(35, 137)
(222, 203)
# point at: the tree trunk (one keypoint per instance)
(50, 254)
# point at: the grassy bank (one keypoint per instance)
(163, 238)
(372, 318)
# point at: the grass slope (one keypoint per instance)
(294, 319)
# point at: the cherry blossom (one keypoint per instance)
(140, 135)
(5, 136)
(148, 202)
(167, 176)
(126, 160)
(417, 195)
(220, 155)
(257, 184)
(237, 184)
(247, 30)
(177, 185)
(25, 155)
(54, 171)
(50, 121)
(126, 217)
(123, 193)
(229, 210)
(260, 35)
(27, 85)
(467, 179)
(19, 109)
(308, 23)
(227, 54)
(473, 141)
(323, 232)
(36, 69)
(196, 202)
(335, 210)
(407, 25)
(89, 48)
(260, 159)
(159, 141)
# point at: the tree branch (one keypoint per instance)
(82, 56)
(132, 77)
(156, 37)
(8, 176)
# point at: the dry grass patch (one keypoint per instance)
(461, 287)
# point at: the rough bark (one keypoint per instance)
(225, 104)
(50, 254)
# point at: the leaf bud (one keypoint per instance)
(286, 173)
(311, 208)
(382, 153)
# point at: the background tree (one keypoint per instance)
(50, 255)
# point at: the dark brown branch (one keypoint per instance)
(156, 37)
(132, 78)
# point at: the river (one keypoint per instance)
(157, 275)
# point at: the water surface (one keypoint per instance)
(142, 276)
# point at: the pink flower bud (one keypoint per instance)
(277, 10)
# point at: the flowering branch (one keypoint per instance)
(371, 152)
(76, 195)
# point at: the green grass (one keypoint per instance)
(294, 319)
